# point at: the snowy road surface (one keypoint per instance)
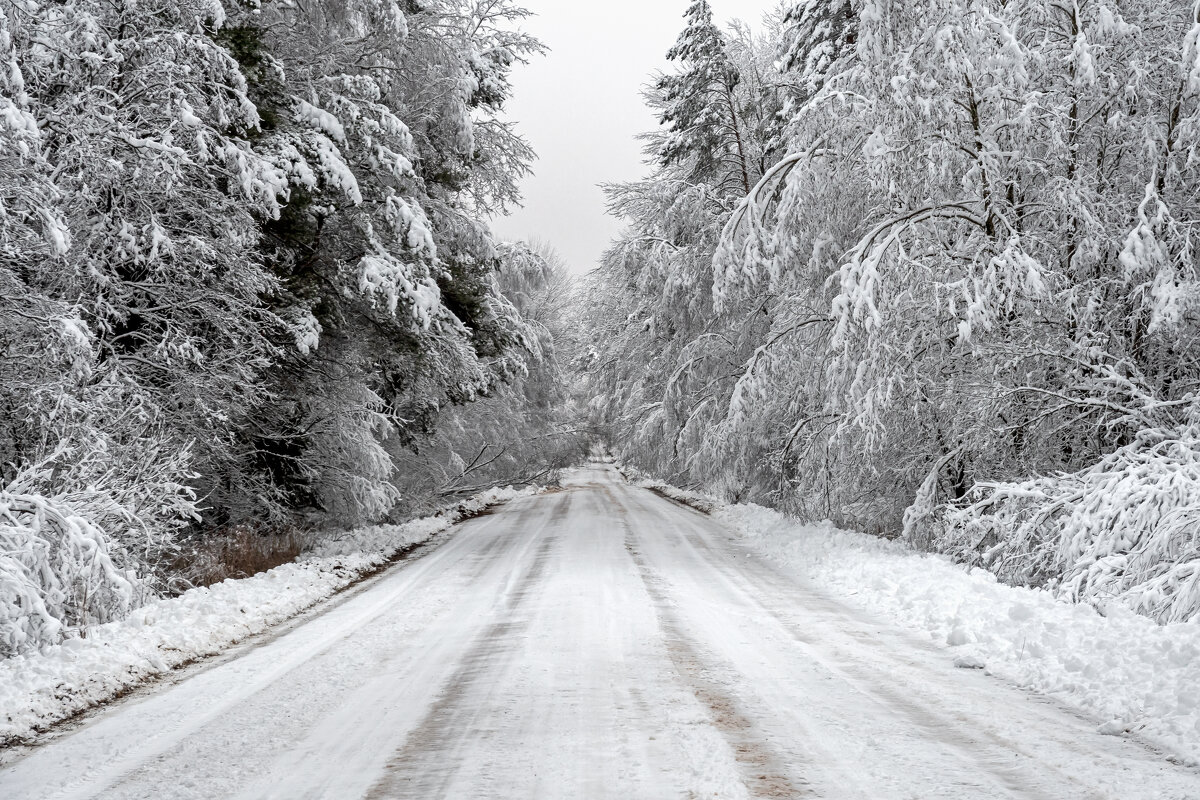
(590, 643)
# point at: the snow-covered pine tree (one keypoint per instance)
(705, 130)
(819, 34)
(386, 118)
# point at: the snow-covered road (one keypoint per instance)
(594, 642)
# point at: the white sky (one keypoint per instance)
(580, 106)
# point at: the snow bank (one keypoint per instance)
(41, 688)
(700, 502)
(1123, 668)
(1135, 675)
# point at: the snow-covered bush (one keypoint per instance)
(1125, 530)
(59, 571)
(89, 531)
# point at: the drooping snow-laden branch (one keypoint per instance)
(999, 220)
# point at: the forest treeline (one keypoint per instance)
(926, 267)
(247, 284)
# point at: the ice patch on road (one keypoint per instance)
(1138, 676)
(41, 688)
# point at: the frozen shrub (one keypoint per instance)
(1126, 529)
(57, 572)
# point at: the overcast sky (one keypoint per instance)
(580, 107)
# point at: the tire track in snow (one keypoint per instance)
(990, 751)
(763, 773)
(427, 761)
(372, 717)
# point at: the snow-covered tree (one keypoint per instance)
(132, 321)
(973, 267)
(526, 427)
(245, 268)
(705, 130)
(819, 35)
(662, 376)
(157, 192)
(385, 118)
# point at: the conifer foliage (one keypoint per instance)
(699, 104)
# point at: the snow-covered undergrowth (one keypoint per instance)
(56, 573)
(40, 688)
(79, 545)
(1133, 674)
(1126, 530)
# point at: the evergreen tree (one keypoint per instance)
(385, 119)
(820, 33)
(699, 106)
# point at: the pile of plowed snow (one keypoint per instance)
(41, 688)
